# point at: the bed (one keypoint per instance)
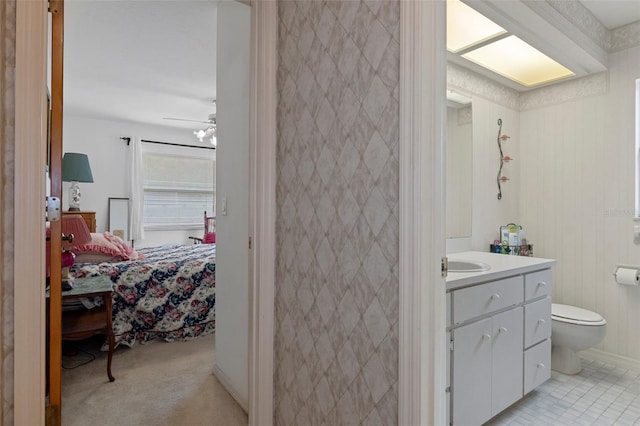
(170, 295)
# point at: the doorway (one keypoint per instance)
(31, 21)
(164, 65)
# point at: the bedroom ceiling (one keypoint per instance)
(140, 61)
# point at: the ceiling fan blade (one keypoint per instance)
(186, 119)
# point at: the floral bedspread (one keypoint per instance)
(170, 295)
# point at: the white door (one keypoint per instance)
(471, 393)
(506, 379)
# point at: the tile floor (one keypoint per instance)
(599, 395)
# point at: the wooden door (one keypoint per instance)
(54, 332)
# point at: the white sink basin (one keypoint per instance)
(461, 265)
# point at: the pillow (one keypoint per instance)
(126, 250)
(107, 244)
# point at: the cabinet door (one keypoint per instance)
(506, 369)
(472, 373)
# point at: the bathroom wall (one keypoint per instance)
(489, 213)
(490, 101)
(577, 193)
(336, 302)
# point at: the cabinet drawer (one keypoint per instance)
(537, 321)
(537, 365)
(537, 284)
(485, 298)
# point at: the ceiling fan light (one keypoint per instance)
(200, 134)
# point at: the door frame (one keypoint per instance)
(422, 308)
(422, 304)
(262, 211)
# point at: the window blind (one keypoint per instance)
(177, 190)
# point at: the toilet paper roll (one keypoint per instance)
(627, 276)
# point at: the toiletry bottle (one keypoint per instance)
(513, 239)
(504, 235)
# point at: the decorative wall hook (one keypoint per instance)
(503, 159)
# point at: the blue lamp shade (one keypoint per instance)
(76, 168)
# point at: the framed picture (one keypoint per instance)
(119, 217)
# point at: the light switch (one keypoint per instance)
(224, 206)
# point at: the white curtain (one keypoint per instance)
(136, 190)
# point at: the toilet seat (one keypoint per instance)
(575, 315)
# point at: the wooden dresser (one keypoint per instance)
(89, 218)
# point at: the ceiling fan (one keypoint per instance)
(211, 119)
(208, 132)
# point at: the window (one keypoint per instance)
(178, 190)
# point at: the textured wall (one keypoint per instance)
(336, 338)
(7, 132)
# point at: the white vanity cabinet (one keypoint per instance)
(487, 361)
(499, 333)
(486, 353)
(537, 329)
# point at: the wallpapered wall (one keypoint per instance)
(336, 338)
(7, 132)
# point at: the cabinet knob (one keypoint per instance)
(541, 321)
(542, 284)
(502, 330)
(495, 296)
(540, 365)
(486, 337)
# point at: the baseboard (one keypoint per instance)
(612, 359)
(226, 382)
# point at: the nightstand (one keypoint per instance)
(80, 324)
(89, 218)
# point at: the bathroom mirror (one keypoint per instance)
(459, 146)
(119, 217)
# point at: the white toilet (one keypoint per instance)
(573, 329)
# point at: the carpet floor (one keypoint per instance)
(157, 384)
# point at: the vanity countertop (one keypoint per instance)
(502, 266)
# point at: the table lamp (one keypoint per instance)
(75, 168)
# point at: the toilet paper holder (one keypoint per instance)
(627, 275)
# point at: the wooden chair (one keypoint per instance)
(209, 236)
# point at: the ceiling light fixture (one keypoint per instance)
(208, 133)
(519, 61)
(478, 39)
(467, 28)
